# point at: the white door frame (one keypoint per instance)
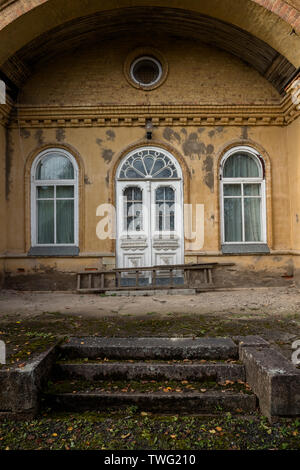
(148, 246)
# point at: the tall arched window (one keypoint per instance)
(243, 199)
(54, 199)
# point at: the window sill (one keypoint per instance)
(54, 251)
(241, 248)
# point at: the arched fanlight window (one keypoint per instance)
(242, 165)
(149, 163)
(55, 167)
(54, 199)
(243, 197)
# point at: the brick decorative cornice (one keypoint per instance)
(161, 115)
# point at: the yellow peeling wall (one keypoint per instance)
(293, 146)
(202, 75)
(2, 199)
(98, 151)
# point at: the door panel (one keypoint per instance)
(132, 225)
(149, 223)
(166, 223)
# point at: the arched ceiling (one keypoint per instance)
(21, 21)
(174, 22)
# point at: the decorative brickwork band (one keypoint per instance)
(136, 116)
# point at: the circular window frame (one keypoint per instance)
(145, 53)
(149, 59)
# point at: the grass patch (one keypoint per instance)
(129, 430)
(25, 338)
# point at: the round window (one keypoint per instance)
(146, 71)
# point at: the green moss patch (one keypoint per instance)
(129, 430)
(145, 386)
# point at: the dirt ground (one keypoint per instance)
(243, 302)
(32, 321)
(29, 321)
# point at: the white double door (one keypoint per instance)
(149, 223)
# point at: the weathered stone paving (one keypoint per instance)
(151, 348)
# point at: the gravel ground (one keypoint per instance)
(243, 302)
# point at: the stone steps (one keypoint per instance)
(158, 371)
(194, 402)
(190, 375)
(150, 348)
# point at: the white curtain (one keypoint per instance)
(242, 202)
(241, 165)
(57, 200)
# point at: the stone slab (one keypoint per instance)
(150, 348)
(274, 379)
(20, 387)
(139, 371)
(208, 402)
(250, 341)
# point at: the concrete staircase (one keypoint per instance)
(201, 375)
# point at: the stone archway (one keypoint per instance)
(22, 21)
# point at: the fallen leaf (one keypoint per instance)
(124, 436)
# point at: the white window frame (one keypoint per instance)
(142, 188)
(177, 207)
(151, 59)
(149, 184)
(260, 180)
(149, 148)
(35, 183)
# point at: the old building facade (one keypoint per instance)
(149, 132)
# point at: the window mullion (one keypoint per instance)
(243, 212)
(55, 214)
(36, 215)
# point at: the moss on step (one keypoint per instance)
(145, 386)
(86, 360)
